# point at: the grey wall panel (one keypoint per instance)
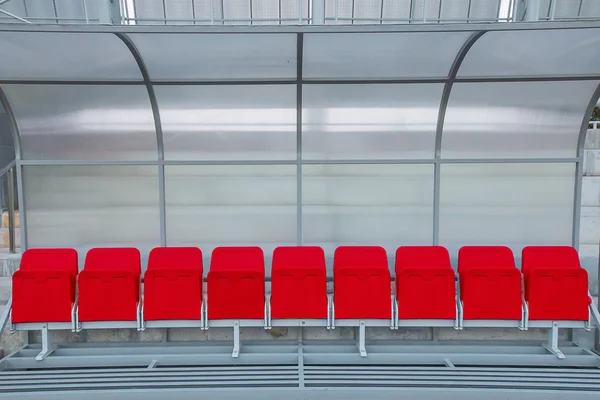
(397, 55)
(228, 122)
(65, 56)
(386, 205)
(515, 119)
(59, 122)
(506, 204)
(218, 57)
(370, 121)
(211, 206)
(92, 206)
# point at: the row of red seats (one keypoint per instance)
(45, 286)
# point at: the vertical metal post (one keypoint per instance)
(11, 211)
(47, 347)
(552, 9)
(318, 12)
(299, 61)
(362, 332)
(85, 11)
(299, 12)
(236, 340)
(425, 4)
(552, 345)
(337, 11)
(532, 13)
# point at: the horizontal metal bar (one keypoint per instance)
(228, 323)
(167, 29)
(426, 323)
(304, 162)
(330, 81)
(555, 78)
(276, 322)
(64, 82)
(107, 324)
(36, 326)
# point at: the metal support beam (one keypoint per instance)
(237, 345)
(552, 345)
(47, 346)
(11, 211)
(362, 333)
(318, 12)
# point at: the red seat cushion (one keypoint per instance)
(44, 286)
(425, 284)
(298, 283)
(556, 287)
(490, 284)
(236, 283)
(109, 285)
(361, 283)
(173, 284)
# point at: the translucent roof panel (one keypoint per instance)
(231, 122)
(538, 53)
(189, 57)
(370, 121)
(380, 55)
(65, 56)
(79, 122)
(515, 119)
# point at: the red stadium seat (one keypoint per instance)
(425, 285)
(299, 283)
(173, 284)
(44, 286)
(361, 283)
(556, 287)
(236, 283)
(490, 283)
(109, 285)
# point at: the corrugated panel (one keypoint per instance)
(397, 9)
(455, 10)
(367, 12)
(236, 10)
(485, 10)
(590, 8)
(41, 9)
(179, 9)
(568, 8)
(149, 9)
(344, 10)
(291, 9)
(265, 9)
(431, 12)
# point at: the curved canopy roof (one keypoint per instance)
(463, 133)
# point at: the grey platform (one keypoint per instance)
(303, 370)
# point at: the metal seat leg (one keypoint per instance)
(47, 346)
(552, 345)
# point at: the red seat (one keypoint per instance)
(556, 287)
(109, 285)
(236, 283)
(299, 283)
(425, 285)
(44, 286)
(490, 283)
(361, 283)
(173, 284)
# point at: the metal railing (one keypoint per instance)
(594, 125)
(299, 12)
(7, 179)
